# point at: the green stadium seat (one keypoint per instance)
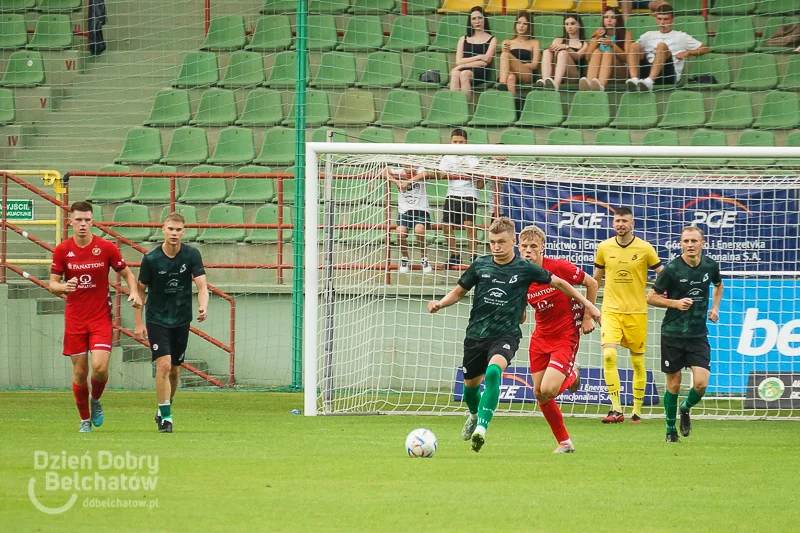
(450, 29)
(658, 138)
(283, 74)
(171, 107)
(245, 69)
(610, 137)
(365, 215)
(542, 108)
(548, 27)
(59, 6)
(225, 33)
(372, 7)
(639, 24)
(376, 135)
(775, 7)
(791, 78)
(7, 107)
(495, 108)
(716, 65)
(277, 148)
(111, 189)
(754, 138)
(53, 32)
(217, 108)
(317, 109)
(687, 7)
(401, 109)
(204, 190)
(588, 110)
(268, 214)
(363, 33)
(792, 141)
(564, 137)
(142, 146)
(732, 110)
(189, 213)
(408, 34)
(13, 31)
(685, 109)
(235, 146)
(477, 135)
(503, 28)
(277, 7)
(337, 70)
(132, 213)
(199, 69)
(514, 136)
(156, 190)
(422, 62)
(448, 108)
(419, 7)
(335, 7)
(320, 135)
(356, 107)
(25, 68)
(188, 146)
(383, 70)
(757, 72)
(264, 107)
(229, 215)
(706, 138)
(780, 111)
(694, 25)
(9, 6)
(771, 25)
(733, 7)
(423, 136)
(734, 34)
(252, 190)
(636, 111)
(273, 33)
(322, 33)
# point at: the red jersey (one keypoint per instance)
(557, 315)
(90, 303)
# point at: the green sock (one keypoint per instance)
(491, 393)
(472, 397)
(671, 410)
(166, 411)
(691, 400)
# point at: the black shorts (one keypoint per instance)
(477, 353)
(459, 209)
(411, 218)
(168, 341)
(678, 353)
(667, 75)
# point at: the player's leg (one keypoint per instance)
(610, 338)
(99, 379)
(671, 365)
(179, 340)
(474, 367)
(468, 208)
(698, 358)
(80, 389)
(635, 338)
(163, 390)
(402, 240)
(500, 351)
(419, 239)
(449, 219)
(635, 56)
(549, 387)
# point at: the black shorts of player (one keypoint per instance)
(459, 209)
(678, 353)
(168, 341)
(411, 218)
(665, 77)
(477, 353)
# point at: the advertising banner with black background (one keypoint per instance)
(773, 391)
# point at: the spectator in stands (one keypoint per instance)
(566, 55)
(607, 52)
(661, 53)
(520, 56)
(474, 54)
(629, 5)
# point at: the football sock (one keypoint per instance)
(639, 382)
(554, 417)
(472, 397)
(166, 410)
(98, 387)
(611, 375)
(81, 393)
(567, 382)
(691, 400)
(671, 410)
(491, 393)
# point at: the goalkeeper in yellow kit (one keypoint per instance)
(624, 260)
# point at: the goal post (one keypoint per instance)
(370, 347)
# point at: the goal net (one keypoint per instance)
(372, 347)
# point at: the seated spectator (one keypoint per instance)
(607, 52)
(565, 55)
(474, 54)
(520, 56)
(658, 56)
(629, 5)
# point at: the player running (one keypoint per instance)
(624, 260)
(84, 261)
(560, 321)
(167, 272)
(501, 284)
(683, 289)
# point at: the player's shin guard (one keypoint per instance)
(98, 387)
(611, 375)
(691, 400)
(639, 382)
(553, 415)
(490, 396)
(671, 410)
(81, 393)
(472, 397)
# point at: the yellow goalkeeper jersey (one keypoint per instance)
(625, 274)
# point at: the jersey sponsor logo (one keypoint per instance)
(760, 336)
(85, 266)
(497, 293)
(95, 251)
(711, 217)
(592, 220)
(485, 276)
(172, 283)
(85, 282)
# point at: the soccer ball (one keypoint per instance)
(421, 443)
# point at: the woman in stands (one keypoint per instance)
(520, 56)
(565, 56)
(474, 54)
(607, 52)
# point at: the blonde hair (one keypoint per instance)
(503, 225)
(532, 232)
(693, 228)
(174, 217)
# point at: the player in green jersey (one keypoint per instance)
(683, 287)
(501, 284)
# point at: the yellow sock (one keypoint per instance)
(639, 381)
(611, 375)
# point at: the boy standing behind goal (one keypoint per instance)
(413, 214)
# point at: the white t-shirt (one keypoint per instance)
(415, 197)
(676, 41)
(454, 164)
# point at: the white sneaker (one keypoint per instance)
(584, 84)
(596, 85)
(550, 84)
(404, 262)
(646, 85)
(540, 83)
(426, 266)
(633, 84)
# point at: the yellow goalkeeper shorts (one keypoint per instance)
(628, 331)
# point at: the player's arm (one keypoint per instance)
(716, 299)
(139, 330)
(58, 288)
(524, 317)
(202, 297)
(658, 300)
(561, 285)
(591, 294)
(452, 297)
(130, 281)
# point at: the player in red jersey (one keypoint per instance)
(560, 321)
(84, 262)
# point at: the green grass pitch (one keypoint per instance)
(242, 462)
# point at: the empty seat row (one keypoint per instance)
(171, 107)
(24, 69)
(189, 146)
(7, 107)
(53, 32)
(47, 6)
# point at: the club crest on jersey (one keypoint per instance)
(635, 257)
(705, 277)
(183, 268)
(95, 251)
(513, 279)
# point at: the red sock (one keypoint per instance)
(567, 383)
(98, 387)
(81, 393)
(554, 417)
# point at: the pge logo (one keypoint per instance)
(582, 220)
(714, 218)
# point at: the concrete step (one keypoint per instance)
(50, 307)
(28, 291)
(188, 379)
(135, 353)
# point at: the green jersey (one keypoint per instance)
(678, 280)
(169, 283)
(501, 293)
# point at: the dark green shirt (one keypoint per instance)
(169, 284)
(678, 280)
(500, 295)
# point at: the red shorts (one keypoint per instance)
(80, 338)
(554, 353)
